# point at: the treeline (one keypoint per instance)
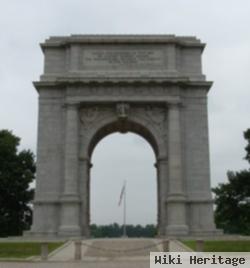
(116, 230)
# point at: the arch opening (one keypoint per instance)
(118, 157)
(123, 126)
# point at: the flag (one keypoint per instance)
(122, 193)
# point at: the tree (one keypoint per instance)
(232, 212)
(17, 171)
(247, 148)
(116, 230)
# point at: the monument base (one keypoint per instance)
(69, 231)
(176, 230)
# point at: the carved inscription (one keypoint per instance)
(141, 59)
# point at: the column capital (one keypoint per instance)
(174, 105)
(176, 197)
(161, 160)
(86, 160)
(71, 106)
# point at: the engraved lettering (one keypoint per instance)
(140, 59)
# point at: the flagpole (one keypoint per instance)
(124, 211)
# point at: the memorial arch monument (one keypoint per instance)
(151, 85)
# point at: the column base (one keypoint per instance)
(86, 231)
(40, 235)
(69, 231)
(177, 230)
(206, 233)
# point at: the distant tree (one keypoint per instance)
(151, 230)
(17, 171)
(232, 212)
(111, 230)
(247, 148)
(116, 230)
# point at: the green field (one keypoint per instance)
(24, 249)
(222, 246)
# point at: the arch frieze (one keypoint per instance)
(147, 120)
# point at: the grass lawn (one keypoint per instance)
(222, 246)
(24, 249)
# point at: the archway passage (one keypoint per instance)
(115, 158)
(93, 86)
(123, 125)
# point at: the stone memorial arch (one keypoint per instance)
(151, 85)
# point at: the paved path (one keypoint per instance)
(177, 246)
(106, 264)
(105, 249)
(103, 253)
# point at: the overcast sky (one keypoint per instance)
(223, 25)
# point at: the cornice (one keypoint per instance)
(181, 82)
(62, 41)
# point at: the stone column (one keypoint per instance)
(88, 232)
(85, 195)
(69, 225)
(158, 201)
(162, 186)
(176, 200)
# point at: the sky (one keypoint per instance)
(223, 25)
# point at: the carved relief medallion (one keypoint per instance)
(122, 110)
(89, 114)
